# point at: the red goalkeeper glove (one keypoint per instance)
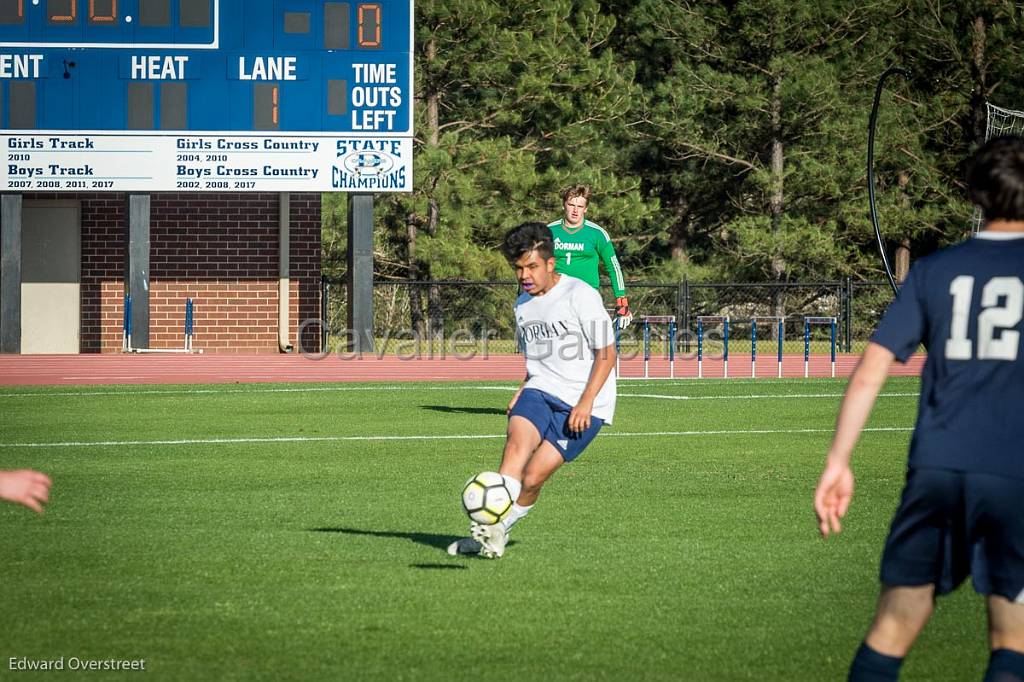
(622, 312)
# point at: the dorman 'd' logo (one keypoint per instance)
(368, 163)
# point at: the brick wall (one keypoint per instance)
(220, 250)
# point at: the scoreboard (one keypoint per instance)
(171, 95)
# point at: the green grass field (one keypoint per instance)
(297, 532)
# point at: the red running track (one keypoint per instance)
(19, 370)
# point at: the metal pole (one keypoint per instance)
(872, 121)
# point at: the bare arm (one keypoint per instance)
(25, 487)
(835, 487)
(604, 363)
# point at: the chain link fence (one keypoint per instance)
(476, 317)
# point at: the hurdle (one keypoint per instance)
(126, 325)
(808, 321)
(670, 320)
(724, 319)
(753, 341)
(188, 325)
(126, 331)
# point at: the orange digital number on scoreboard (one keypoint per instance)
(369, 18)
(107, 13)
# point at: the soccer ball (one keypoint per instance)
(485, 498)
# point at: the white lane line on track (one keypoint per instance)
(212, 391)
(345, 389)
(757, 397)
(337, 439)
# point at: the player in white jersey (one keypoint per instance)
(569, 390)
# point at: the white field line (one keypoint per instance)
(496, 436)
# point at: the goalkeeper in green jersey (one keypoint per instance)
(580, 245)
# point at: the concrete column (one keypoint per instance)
(137, 267)
(283, 270)
(10, 273)
(360, 272)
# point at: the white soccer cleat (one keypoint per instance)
(464, 546)
(492, 539)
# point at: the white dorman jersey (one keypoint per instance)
(560, 330)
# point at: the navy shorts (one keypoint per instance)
(952, 524)
(550, 415)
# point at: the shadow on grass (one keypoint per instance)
(448, 567)
(464, 410)
(428, 539)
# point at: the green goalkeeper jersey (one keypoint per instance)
(578, 252)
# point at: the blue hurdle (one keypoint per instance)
(126, 331)
(808, 321)
(670, 320)
(188, 324)
(724, 319)
(753, 341)
(126, 325)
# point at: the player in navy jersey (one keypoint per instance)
(962, 509)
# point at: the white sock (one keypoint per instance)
(514, 485)
(514, 514)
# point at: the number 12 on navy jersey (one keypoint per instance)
(996, 338)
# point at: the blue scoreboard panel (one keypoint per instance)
(248, 95)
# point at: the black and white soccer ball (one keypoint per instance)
(486, 499)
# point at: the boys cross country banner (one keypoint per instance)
(151, 163)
